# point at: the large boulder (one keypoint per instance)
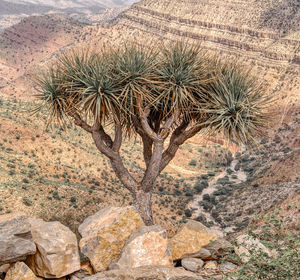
(20, 271)
(190, 239)
(147, 246)
(15, 238)
(57, 250)
(105, 233)
(147, 273)
(247, 244)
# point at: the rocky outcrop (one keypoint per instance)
(15, 238)
(147, 273)
(57, 250)
(20, 271)
(147, 246)
(246, 243)
(191, 238)
(105, 233)
(120, 243)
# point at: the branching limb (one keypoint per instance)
(143, 114)
(179, 136)
(152, 170)
(147, 142)
(118, 136)
(103, 141)
(80, 122)
(111, 149)
(166, 128)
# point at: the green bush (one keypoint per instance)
(188, 213)
(193, 162)
(284, 265)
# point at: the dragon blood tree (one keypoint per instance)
(162, 96)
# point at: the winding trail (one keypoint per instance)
(212, 186)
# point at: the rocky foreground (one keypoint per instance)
(116, 245)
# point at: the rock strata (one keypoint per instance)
(105, 233)
(15, 238)
(147, 246)
(57, 250)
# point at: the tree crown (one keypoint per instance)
(155, 89)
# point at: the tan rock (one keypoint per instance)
(15, 238)
(246, 243)
(219, 248)
(73, 277)
(192, 264)
(212, 265)
(57, 250)
(227, 267)
(147, 273)
(20, 271)
(147, 246)
(85, 270)
(190, 239)
(4, 268)
(105, 233)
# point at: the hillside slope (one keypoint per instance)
(41, 171)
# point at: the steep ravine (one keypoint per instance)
(239, 175)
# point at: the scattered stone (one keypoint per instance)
(190, 239)
(15, 238)
(246, 243)
(147, 273)
(20, 271)
(212, 265)
(203, 254)
(105, 233)
(219, 248)
(227, 267)
(85, 271)
(73, 277)
(192, 264)
(57, 251)
(147, 246)
(4, 268)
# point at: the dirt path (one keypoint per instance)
(212, 186)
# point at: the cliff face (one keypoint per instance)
(262, 34)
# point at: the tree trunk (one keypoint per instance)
(143, 203)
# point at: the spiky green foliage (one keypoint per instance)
(183, 72)
(180, 79)
(235, 104)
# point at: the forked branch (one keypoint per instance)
(80, 122)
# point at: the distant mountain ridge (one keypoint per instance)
(30, 7)
(89, 12)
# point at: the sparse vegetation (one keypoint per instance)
(285, 245)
